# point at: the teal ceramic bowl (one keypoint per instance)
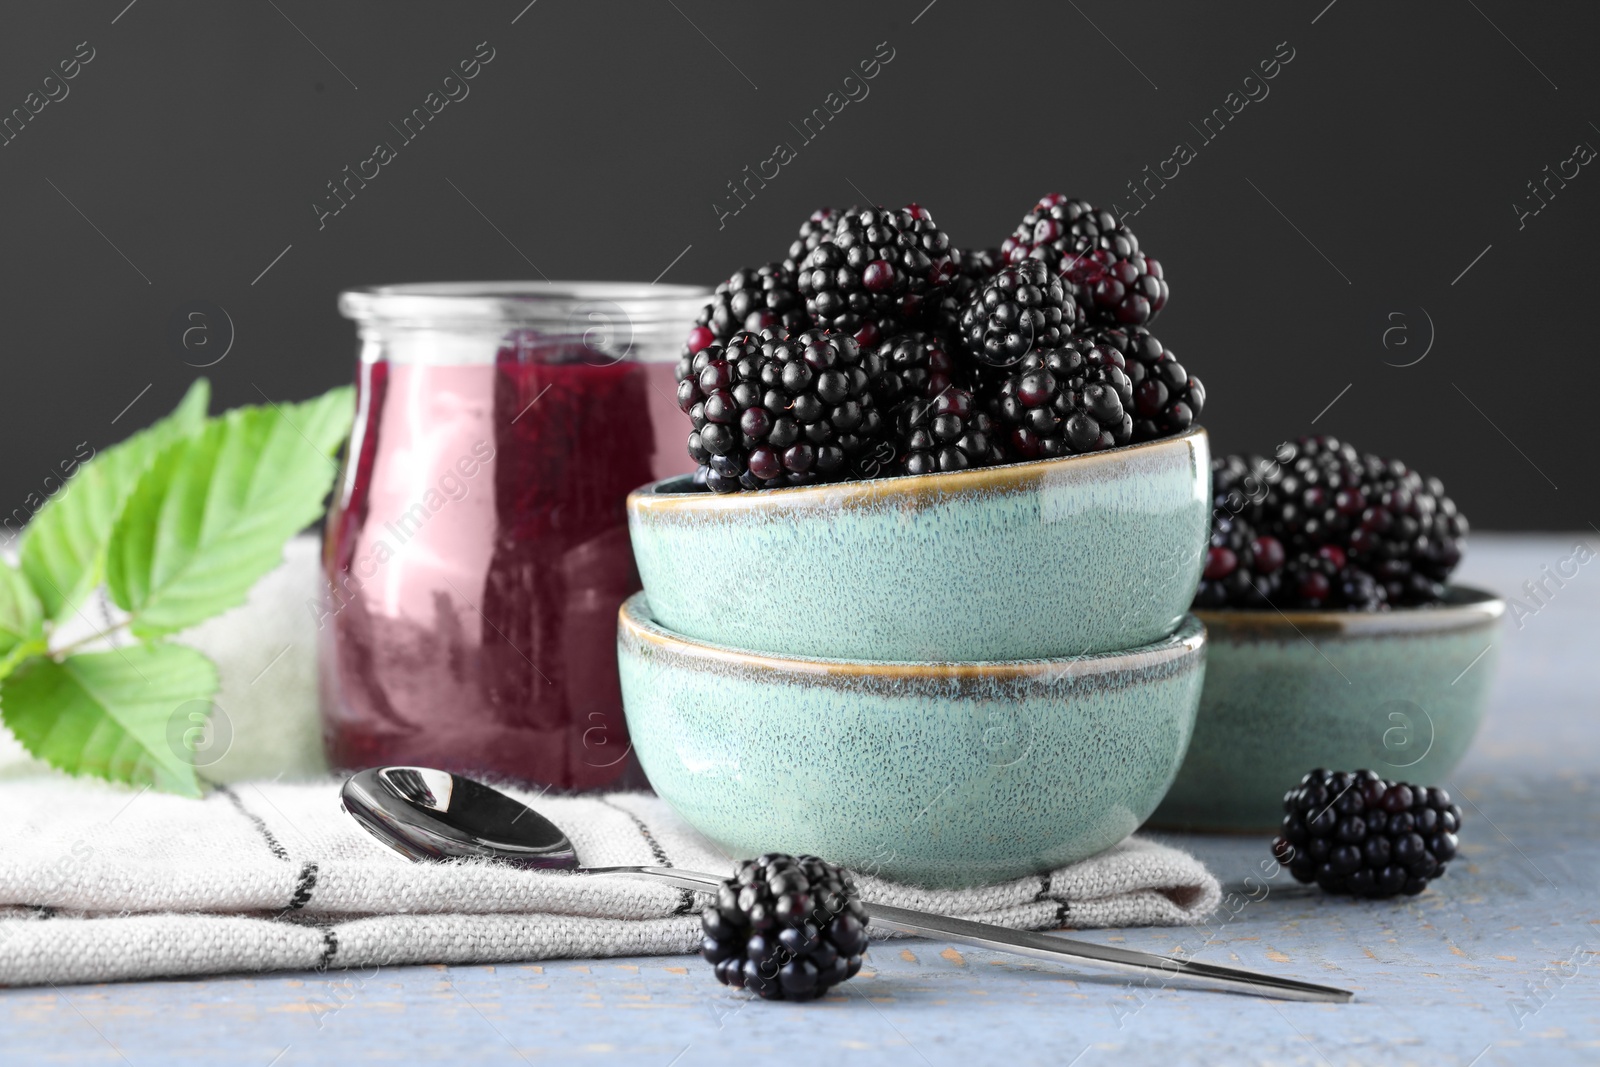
(1069, 556)
(935, 774)
(1401, 692)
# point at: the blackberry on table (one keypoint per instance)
(769, 411)
(882, 271)
(1098, 257)
(1066, 400)
(1356, 833)
(752, 300)
(1021, 308)
(785, 928)
(1167, 399)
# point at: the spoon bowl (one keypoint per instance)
(425, 814)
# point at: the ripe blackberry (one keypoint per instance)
(944, 433)
(1167, 399)
(769, 411)
(813, 232)
(1060, 401)
(1022, 308)
(1358, 834)
(881, 272)
(973, 269)
(1340, 511)
(1243, 569)
(916, 365)
(785, 928)
(1098, 257)
(752, 300)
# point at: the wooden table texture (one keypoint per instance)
(1497, 963)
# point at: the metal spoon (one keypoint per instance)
(435, 815)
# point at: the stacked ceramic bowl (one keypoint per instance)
(947, 680)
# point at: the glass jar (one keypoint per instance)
(477, 548)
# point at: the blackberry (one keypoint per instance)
(813, 232)
(1341, 511)
(1359, 532)
(1243, 565)
(1060, 401)
(882, 271)
(916, 365)
(944, 433)
(1021, 308)
(785, 928)
(1167, 399)
(1242, 569)
(973, 269)
(1358, 834)
(752, 300)
(1098, 257)
(769, 411)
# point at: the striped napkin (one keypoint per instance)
(101, 882)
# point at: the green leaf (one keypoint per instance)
(211, 515)
(21, 621)
(21, 617)
(63, 547)
(323, 421)
(120, 715)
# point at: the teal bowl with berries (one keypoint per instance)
(1076, 555)
(934, 774)
(1400, 692)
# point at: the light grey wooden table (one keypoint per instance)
(1497, 963)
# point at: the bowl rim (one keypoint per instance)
(1465, 607)
(1005, 476)
(635, 622)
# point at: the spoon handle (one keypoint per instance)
(1128, 961)
(1041, 946)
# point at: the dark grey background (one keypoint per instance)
(1386, 158)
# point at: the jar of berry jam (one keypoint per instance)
(477, 548)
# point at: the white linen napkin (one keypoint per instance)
(101, 882)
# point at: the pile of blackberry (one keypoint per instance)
(1323, 526)
(785, 928)
(950, 357)
(1358, 834)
